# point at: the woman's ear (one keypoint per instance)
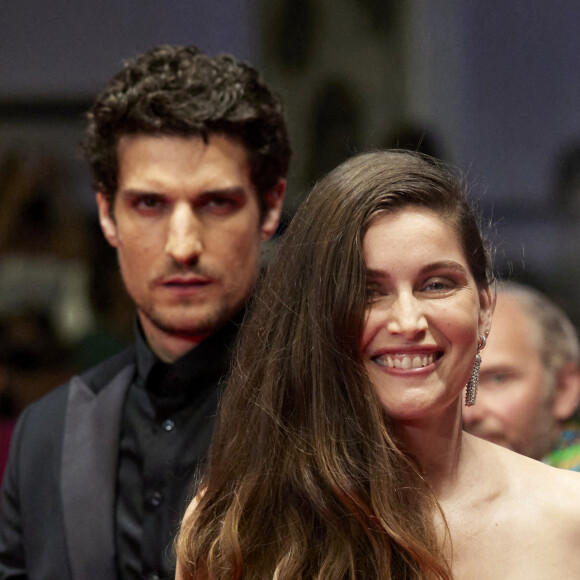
(486, 306)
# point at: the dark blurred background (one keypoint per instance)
(492, 87)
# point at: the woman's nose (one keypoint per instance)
(406, 316)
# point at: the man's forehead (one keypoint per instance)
(513, 325)
(155, 149)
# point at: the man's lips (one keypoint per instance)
(186, 284)
(193, 281)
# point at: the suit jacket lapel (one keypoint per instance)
(89, 471)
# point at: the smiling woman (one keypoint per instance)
(425, 313)
(339, 451)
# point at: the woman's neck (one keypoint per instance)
(436, 444)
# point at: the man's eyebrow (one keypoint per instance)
(498, 366)
(231, 191)
(137, 192)
(237, 190)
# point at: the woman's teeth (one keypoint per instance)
(405, 361)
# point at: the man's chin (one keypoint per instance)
(189, 325)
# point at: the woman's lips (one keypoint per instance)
(407, 360)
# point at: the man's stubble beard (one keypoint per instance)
(200, 322)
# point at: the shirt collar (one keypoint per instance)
(203, 364)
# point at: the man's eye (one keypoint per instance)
(221, 205)
(147, 202)
(220, 202)
(494, 380)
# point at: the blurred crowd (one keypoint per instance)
(62, 304)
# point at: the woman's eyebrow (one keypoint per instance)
(441, 265)
(444, 265)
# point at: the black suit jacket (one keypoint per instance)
(57, 507)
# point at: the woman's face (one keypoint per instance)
(424, 314)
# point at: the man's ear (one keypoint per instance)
(274, 202)
(567, 391)
(106, 218)
(486, 307)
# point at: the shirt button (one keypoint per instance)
(168, 425)
(153, 576)
(156, 499)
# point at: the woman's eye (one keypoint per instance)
(374, 293)
(439, 285)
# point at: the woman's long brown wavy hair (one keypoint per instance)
(305, 478)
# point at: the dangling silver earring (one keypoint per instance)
(473, 383)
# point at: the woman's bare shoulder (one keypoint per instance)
(557, 491)
(528, 518)
(537, 489)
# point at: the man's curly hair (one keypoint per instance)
(180, 91)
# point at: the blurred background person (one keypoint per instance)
(529, 385)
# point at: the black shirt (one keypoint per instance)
(167, 427)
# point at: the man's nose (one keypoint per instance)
(185, 235)
(407, 317)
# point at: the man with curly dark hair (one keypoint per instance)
(189, 155)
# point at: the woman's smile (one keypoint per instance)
(406, 361)
(424, 308)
